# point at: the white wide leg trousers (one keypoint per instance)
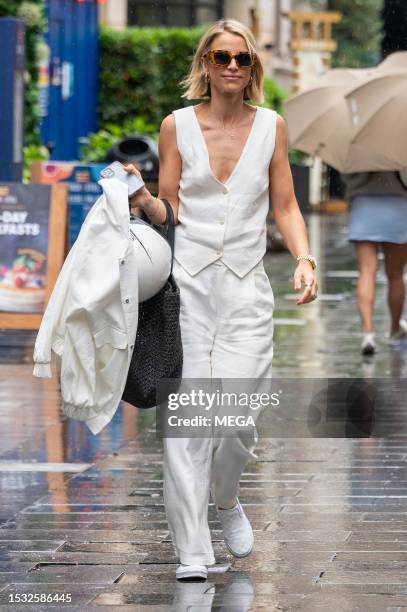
(227, 332)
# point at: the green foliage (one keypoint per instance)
(176, 49)
(33, 15)
(140, 70)
(95, 146)
(357, 34)
(297, 157)
(33, 153)
(274, 95)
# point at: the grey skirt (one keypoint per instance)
(378, 218)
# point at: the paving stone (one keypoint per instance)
(354, 602)
(379, 517)
(71, 573)
(8, 577)
(76, 557)
(85, 519)
(362, 575)
(26, 545)
(6, 566)
(106, 547)
(92, 535)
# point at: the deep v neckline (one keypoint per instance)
(243, 152)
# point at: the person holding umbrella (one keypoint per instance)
(355, 121)
(378, 220)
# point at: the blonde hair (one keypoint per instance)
(195, 83)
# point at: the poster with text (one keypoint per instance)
(24, 228)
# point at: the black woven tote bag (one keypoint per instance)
(157, 352)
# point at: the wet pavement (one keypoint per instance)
(82, 522)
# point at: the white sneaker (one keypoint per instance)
(191, 572)
(368, 344)
(237, 531)
(401, 334)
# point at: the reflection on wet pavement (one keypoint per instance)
(83, 515)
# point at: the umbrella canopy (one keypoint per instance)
(304, 110)
(346, 121)
(378, 110)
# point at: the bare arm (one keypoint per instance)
(286, 211)
(169, 176)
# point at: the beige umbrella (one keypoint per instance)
(326, 121)
(323, 101)
(378, 110)
(319, 119)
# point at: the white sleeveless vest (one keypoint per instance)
(217, 220)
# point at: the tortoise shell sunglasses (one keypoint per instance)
(220, 57)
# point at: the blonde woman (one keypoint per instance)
(220, 162)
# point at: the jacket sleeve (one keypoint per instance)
(53, 318)
(49, 322)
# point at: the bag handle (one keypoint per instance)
(168, 228)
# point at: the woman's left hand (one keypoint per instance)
(140, 196)
(305, 274)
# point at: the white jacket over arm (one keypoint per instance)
(90, 321)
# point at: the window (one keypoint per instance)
(173, 12)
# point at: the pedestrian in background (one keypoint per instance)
(378, 219)
(220, 162)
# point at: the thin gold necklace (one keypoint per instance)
(232, 136)
(224, 129)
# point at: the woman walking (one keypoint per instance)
(378, 220)
(220, 162)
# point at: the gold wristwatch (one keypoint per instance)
(309, 258)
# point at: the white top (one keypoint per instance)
(217, 220)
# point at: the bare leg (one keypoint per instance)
(395, 258)
(366, 253)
